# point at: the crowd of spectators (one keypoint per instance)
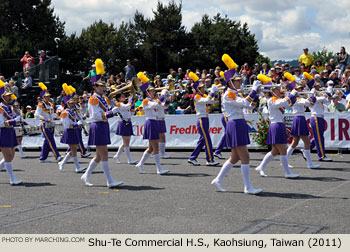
(179, 83)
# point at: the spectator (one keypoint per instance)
(328, 68)
(297, 75)
(173, 105)
(29, 67)
(334, 78)
(185, 103)
(13, 87)
(342, 57)
(171, 76)
(264, 69)
(91, 73)
(248, 70)
(256, 69)
(187, 75)
(25, 58)
(306, 58)
(342, 100)
(336, 106)
(204, 74)
(158, 82)
(110, 81)
(319, 66)
(129, 70)
(29, 113)
(180, 73)
(207, 84)
(332, 64)
(44, 67)
(27, 82)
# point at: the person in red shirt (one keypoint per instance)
(25, 59)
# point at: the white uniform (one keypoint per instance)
(69, 119)
(234, 103)
(317, 109)
(98, 108)
(200, 103)
(151, 108)
(300, 105)
(45, 112)
(275, 105)
(124, 110)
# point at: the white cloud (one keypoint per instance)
(282, 28)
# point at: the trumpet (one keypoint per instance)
(171, 87)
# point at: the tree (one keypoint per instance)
(324, 55)
(213, 37)
(28, 25)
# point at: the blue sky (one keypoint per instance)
(282, 28)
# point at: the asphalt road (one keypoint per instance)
(182, 201)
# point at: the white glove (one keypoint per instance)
(214, 89)
(115, 110)
(329, 89)
(256, 85)
(80, 123)
(294, 93)
(313, 91)
(18, 118)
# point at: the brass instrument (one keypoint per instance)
(170, 87)
(131, 88)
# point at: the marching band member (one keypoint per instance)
(222, 142)
(164, 104)
(70, 134)
(8, 140)
(124, 127)
(277, 136)
(99, 112)
(18, 112)
(201, 100)
(81, 147)
(45, 111)
(317, 121)
(300, 130)
(151, 127)
(237, 136)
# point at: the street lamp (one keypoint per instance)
(157, 44)
(56, 41)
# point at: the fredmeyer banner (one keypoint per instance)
(182, 131)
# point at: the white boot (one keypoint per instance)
(86, 176)
(2, 164)
(110, 181)
(287, 171)
(128, 155)
(310, 164)
(268, 157)
(13, 180)
(142, 161)
(119, 152)
(78, 169)
(160, 169)
(226, 167)
(64, 161)
(19, 147)
(162, 150)
(248, 188)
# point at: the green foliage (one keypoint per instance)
(262, 59)
(28, 25)
(324, 55)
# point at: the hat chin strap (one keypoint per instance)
(233, 85)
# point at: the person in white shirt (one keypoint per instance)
(99, 134)
(124, 128)
(164, 102)
(300, 129)
(237, 132)
(201, 102)
(277, 136)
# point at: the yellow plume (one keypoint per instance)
(193, 76)
(263, 78)
(99, 67)
(2, 84)
(66, 89)
(289, 77)
(42, 86)
(308, 76)
(72, 89)
(222, 74)
(13, 97)
(142, 77)
(229, 61)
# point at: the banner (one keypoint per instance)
(182, 131)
